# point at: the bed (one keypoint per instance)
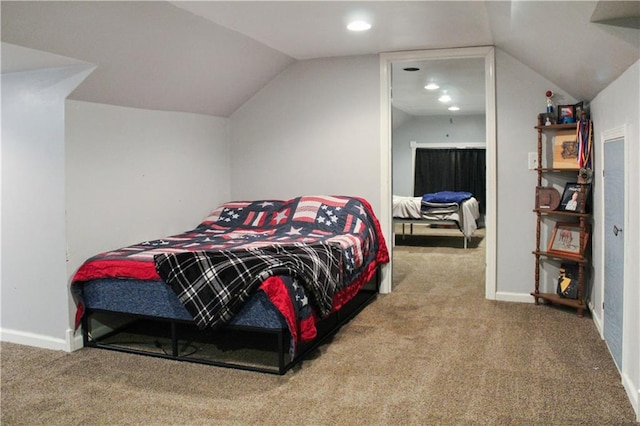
(257, 285)
(460, 209)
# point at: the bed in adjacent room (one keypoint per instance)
(257, 285)
(456, 208)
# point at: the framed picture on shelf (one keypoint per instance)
(547, 198)
(568, 281)
(565, 150)
(566, 114)
(572, 197)
(547, 119)
(565, 240)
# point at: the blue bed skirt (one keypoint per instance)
(156, 299)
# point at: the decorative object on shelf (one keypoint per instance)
(566, 114)
(581, 112)
(585, 175)
(568, 281)
(572, 197)
(584, 136)
(565, 240)
(565, 150)
(547, 119)
(547, 198)
(549, 95)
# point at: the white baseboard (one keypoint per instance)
(76, 340)
(597, 320)
(39, 340)
(502, 296)
(633, 392)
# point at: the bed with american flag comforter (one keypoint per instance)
(306, 256)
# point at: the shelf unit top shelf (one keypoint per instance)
(569, 126)
(551, 169)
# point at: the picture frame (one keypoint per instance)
(547, 119)
(565, 240)
(566, 114)
(565, 150)
(572, 197)
(547, 198)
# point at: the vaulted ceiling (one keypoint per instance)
(211, 56)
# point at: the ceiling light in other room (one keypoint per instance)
(432, 86)
(358, 26)
(444, 98)
(454, 108)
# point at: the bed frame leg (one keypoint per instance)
(281, 352)
(174, 339)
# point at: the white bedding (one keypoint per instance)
(466, 215)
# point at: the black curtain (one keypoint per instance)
(451, 169)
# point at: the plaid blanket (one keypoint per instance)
(213, 285)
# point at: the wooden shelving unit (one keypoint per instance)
(545, 134)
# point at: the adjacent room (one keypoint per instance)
(394, 179)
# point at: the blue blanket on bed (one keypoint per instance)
(446, 197)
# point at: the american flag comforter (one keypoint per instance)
(310, 255)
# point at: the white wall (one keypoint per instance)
(319, 122)
(315, 129)
(451, 131)
(614, 107)
(135, 174)
(34, 286)
(520, 98)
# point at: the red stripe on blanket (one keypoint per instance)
(278, 294)
(112, 268)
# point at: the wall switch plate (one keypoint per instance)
(533, 160)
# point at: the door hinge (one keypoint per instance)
(603, 306)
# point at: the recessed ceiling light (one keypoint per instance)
(359, 26)
(431, 86)
(444, 98)
(454, 108)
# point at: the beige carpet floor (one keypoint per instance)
(433, 352)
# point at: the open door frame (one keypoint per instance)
(386, 217)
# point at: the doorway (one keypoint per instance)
(387, 60)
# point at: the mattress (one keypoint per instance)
(465, 216)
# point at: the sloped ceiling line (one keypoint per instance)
(210, 57)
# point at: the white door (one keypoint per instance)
(614, 246)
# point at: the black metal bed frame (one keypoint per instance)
(173, 331)
(425, 221)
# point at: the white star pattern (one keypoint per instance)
(265, 204)
(304, 300)
(281, 216)
(294, 231)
